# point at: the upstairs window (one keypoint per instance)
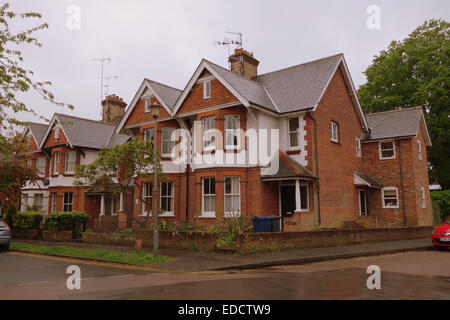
(390, 197)
(419, 149)
(70, 161)
(167, 143)
(209, 133)
(207, 89)
(40, 165)
(387, 150)
(232, 124)
(293, 132)
(56, 162)
(358, 148)
(56, 134)
(334, 131)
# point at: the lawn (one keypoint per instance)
(137, 258)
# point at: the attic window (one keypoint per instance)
(56, 134)
(419, 149)
(147, 104)
(207, 89)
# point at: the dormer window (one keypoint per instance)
(207, 89)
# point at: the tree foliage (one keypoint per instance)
(120, 167)
(416, 72)
(14, 78)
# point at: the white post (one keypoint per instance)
(121, 202)
(102, 205)
(297, 195)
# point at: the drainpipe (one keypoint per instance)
(401, 182)
(187, 192)
(316, 181)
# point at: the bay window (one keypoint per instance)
(167, 197)
(209, 197)
(167, 143)
(232, 196)
(232, 124)
(209, 133)
(70, 161)
(68, 201)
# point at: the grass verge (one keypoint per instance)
(137, 258)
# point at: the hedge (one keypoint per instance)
(67, 221)
(442, 197)
(27, 220)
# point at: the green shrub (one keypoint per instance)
(12, 211)
(67, 221)
(442, 197)
(27, 220)
(230, 227)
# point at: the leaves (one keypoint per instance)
(416, 72)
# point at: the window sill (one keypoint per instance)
(391, 158)
(293, 151)
(207, 217)
(391, 207)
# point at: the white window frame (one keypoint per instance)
(383, 197)
(66, 161)
(149, 136)
(419, 149)
(206, 89)
(56, 133)
(358, 147)
(171, 197)
(380, 151)
(56, 160)
(208, 214)
(67, 203)
(41, 173)
(24, 201)
(424, 202)
(145, 185)
(39, 196)
(304, 184)
(228, 213)
(54, 199)
(211, 132)
(359, 202)
(170, 141)
(234, 132)
(147, 105)
(291, 147)
(334, 130)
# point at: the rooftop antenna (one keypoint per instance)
(107, 83)
(102, 61)
(228, 42)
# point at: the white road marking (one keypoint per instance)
(31, 283)
(122, 276)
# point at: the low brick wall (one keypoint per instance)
(25, 233)
(204, 241)
(337, 237)
(62, 236)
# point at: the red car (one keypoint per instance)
(441, 235)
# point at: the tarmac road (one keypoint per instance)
(409, 275)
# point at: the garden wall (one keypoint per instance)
(191, 240)
(336, 237)
(62, 236)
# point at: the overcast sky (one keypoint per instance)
(166, 40)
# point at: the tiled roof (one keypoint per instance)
(89, 133)
(288, 168)
(168, 94)
(393, 124)
(38, 130)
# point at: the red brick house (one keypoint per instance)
(324, 163)
(334, 162)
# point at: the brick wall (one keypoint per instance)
(139, 115)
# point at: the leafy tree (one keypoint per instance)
(120, 167)
(416, 72)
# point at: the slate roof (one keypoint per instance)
(372, 181)
(37, 130)
(288, 168)
(168, 94)
(295, 88)
(89, 133)
(393, 124)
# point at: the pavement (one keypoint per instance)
(191, 261)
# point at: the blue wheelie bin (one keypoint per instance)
(265, 224)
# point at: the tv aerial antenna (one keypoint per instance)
(237, 41)
(102, 62)
(107, 83)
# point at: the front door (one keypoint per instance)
(287, 200)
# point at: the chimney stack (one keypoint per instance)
(113, 109)
(242, 62)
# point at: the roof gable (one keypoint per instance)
(166, 95)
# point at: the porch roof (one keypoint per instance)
(288, 168)
(364, 179)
